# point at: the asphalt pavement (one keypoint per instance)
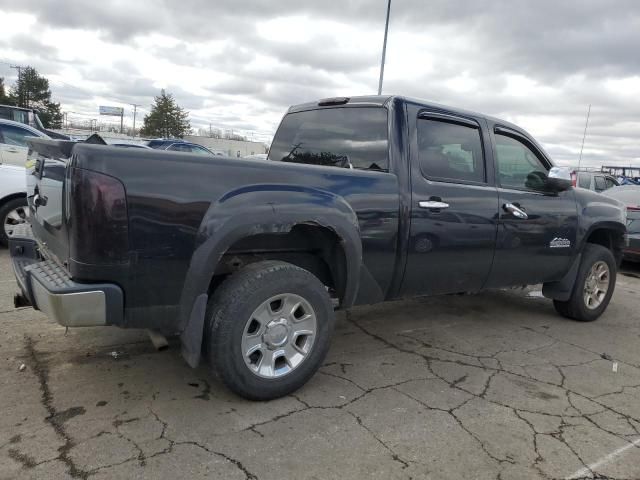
(486, 386)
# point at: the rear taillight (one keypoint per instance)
(574, 179)
(98, 223)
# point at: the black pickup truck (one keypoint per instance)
(362, 200)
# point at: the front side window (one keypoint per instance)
(450, 151)
(338, 137)
(610, 182)
(518, 166)
(15, 135)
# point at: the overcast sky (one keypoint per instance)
(239, 63)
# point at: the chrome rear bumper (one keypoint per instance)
(48, 288)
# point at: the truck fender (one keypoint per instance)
(258, 209)
(561, 289)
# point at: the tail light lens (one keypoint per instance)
(98, 221)
(574, 179)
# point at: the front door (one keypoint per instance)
(13, 144)
(454, 204)
(537, 230)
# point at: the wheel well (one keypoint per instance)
(608, 238)
(315, 248)
(13, 196)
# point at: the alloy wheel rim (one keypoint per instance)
(279, 335)
(596, 285)
(15, 217)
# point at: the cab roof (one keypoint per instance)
(384, 100)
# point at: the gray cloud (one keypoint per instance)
(567, 50)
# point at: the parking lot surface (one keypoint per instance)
(487, 386)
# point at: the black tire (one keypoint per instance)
(5, 208)
(576, 307)
(233, 304)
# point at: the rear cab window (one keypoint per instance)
(347, 137)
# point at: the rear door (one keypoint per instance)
(537, 230)
(454, 204)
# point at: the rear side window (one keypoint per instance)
(450, 151)
(200, 150)
(600, 183)
(584, 180)
(337, 137)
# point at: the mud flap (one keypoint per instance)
(191, 337)
(561, 290)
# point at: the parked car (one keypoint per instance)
(596, 181)
(629, 195)
(250, 259)
(28, 116)
(13, 187)
(180, 146)
(131, 145)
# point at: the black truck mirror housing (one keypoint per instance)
(558, 179)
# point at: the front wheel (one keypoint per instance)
(594, 285)
(269, 328)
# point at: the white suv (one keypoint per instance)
(13, 189)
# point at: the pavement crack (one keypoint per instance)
(394, 455)
(248, 475)
(54, 418)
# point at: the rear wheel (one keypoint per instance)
(12, 213)
(594, 285)
(269, 329)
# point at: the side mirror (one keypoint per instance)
(558, 179)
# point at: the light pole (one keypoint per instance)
(135, 108)
(584, 135)
(384, 48)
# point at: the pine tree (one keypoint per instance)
(4, 98)
(32, 91)
(167, 119)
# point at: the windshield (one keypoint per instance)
(338, 137)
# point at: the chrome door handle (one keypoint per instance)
(517, 212)
(433, 204)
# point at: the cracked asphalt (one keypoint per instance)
(487, 386)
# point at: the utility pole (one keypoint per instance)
(384, 48)
(584, 135)
(135, 109)
(20, 86)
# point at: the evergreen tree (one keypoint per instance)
(167, 119)
(4, 98)
(32, 91)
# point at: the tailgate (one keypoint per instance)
(46, 168)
